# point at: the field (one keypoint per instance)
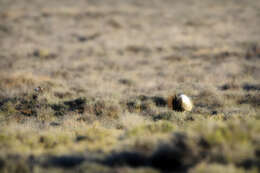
(85, 84)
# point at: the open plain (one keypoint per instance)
(84, 86)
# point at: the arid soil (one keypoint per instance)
(84, 85)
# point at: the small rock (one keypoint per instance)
(81, 138)
(39, 89)
(54, 124)
(214, 112)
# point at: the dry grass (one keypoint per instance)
(107, 70)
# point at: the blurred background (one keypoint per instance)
(84, 85)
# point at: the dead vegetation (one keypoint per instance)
(89, 86)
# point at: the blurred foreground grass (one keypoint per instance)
(84, 134)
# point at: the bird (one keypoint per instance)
(180, 103)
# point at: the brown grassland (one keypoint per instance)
(84, 86)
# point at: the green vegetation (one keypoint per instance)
(88, 86)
